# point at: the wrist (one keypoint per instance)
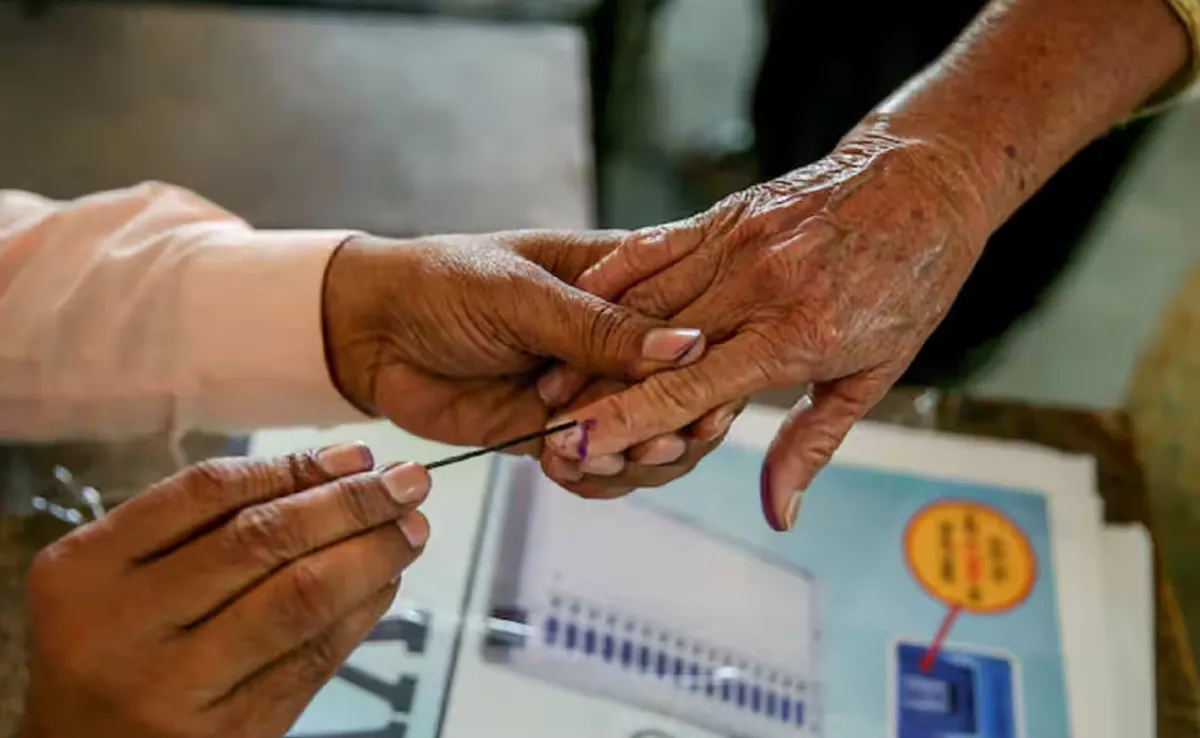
(353, 321)
(947, 168)
(1032, 82)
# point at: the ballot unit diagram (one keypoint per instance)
(901, 606)
(628, 621)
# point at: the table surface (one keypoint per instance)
(1101, 434)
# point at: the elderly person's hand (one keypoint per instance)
(834, 275)
(220, 600)
(446, 336)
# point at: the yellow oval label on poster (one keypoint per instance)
(970, 556)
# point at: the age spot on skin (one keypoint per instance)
(1011, 151)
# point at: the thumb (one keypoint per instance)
(194, 499)
(598, 337)
(809, 437)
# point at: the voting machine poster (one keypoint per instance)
(921, 595)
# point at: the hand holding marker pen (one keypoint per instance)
(72, 494)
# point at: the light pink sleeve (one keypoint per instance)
(152, 310)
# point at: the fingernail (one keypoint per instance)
(672, 344)
(603, 465)
(561, 470)
(415, 530)
(549, 387)
(344, 459)
(723, 421)
(693, 354)
(719, 425)
(793, 510)
(406, 483)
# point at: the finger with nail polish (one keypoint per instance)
(677, 346)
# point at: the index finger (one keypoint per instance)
(201, 496)
(207, 572)
(640, 255)
(666, 401)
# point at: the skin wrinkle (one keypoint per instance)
(911, 194)
(816, 268)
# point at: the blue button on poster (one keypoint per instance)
(960, 695)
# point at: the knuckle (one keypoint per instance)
(773, 275)
(765, 361)
(824, 338)
(604, 331)
(364, 502)
(44, 579)
(300, 470)
(210, 476)
(624, 414)
(47, 565)
(648, 299)
(822, 444)
(319, 660)
(54, 571)
(632, 256)
(261, 534)
(256, 477)
(307, 602)
(676, 393)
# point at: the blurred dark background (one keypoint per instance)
(415, 116)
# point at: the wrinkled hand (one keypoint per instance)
(652, 463)
(832, 276)
(220, 600)
(447, 336)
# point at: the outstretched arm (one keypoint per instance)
(834, 275)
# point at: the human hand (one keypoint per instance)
(220, 600)
(447, 336)
(652, 463)
(832, 276)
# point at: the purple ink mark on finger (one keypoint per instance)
(585, 428)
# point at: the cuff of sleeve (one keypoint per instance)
(253, 339)
(1185, 84)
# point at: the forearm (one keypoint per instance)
(152, 310)
(1031, 82)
